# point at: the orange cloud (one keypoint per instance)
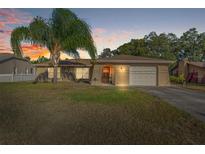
(34, 51)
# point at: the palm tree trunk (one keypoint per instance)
(91, 69)
(55, 59)
(55, 74)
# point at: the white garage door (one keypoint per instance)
(142, 76)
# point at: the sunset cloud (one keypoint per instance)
(13, 16)
(103, 38)
(9, 18)
(34, 51)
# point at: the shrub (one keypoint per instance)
(179, 80)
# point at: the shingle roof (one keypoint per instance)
(199, 64)
(70, 62)
(132, 59)
(7, 56)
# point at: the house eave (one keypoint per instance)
(134, 62)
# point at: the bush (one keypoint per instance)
(179, 80)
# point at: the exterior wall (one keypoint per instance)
(199, 70)
(97, 74)
(22, 67)
(51, 71)
(15, 70)
(82, 73)
(121, 75)
(40, 70)
(163, 75)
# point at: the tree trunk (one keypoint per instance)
(91, 70)
(55, 59)
(55, 74)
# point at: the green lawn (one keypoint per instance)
(69, 113)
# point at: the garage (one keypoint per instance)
(142, 76)
(130, 70)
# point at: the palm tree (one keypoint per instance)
(63, 32)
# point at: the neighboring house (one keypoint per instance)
(125, 70)
(13, 69)
(72, 69)
(192, 71)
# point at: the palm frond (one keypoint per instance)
(19, 34)
(40, 32)
(72, 52)
(79, 36)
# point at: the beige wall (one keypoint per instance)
(7, 67)
(51, 71)
(121, 75)
(163, 75)
(40, 70)
(97, 74)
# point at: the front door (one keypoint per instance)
(106, 74)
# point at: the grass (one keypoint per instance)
(69, 113)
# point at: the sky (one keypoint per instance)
(110, 27)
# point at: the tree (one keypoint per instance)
(189, 42)
(106, 53)
(41, 59)
(28, 58)
(63, 32)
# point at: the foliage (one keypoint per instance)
(178, 80)
(27, 58)
(190, 45)
(63, 32)
(41, 59)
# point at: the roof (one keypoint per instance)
(70, 62)
(198, 64)
(128, 59)
(81, 61)
(7, 56)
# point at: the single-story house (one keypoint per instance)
(13, 68)
(126, 70)
(192, 71)
(72, 69)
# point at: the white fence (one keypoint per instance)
(17, 77)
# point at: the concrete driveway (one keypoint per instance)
(190, 101)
